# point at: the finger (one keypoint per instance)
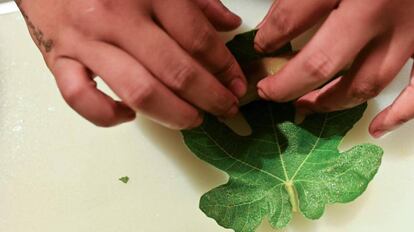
(374, 69)
(399, 112)
(79, 91)
(137, 87)
(200, 40)
(219, 15)
(340, 39)
(177, 70)
(286, 20)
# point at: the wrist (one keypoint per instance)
(43, 42)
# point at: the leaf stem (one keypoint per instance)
(293, 196)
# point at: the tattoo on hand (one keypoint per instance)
(40, 39)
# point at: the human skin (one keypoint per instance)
(378, 35)
(163, 59)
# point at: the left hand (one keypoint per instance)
(163, 59)
(378, 35)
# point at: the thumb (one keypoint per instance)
(219, 15)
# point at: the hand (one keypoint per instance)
(378, 35)
(163, 59)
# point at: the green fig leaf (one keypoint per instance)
(282, 167)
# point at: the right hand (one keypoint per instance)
(377, 37)
(164, 59)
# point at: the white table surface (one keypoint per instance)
(60, 173)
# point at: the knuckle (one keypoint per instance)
(106, 4)
(364, 92)
(376, 10)
(100, 5)
(222, 103)
(261, 40)
(111, 117)
(281, 20)
(203, 5)
(182, 76)
(72, 93)
(139, 96)
(224, 73)
(387, 71)
(401, 119)
(87, 13)
(203, 41)
(217, 109)
(398, 118)
(319, 67)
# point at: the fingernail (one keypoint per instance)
(128, 113)
(234, 16)
(224, 7)
(303, 111)
(239, 20)
(378, 133)
(232, 112)
(230, 13)
(197, 122)
(131, 115)
(258, 47)
(262, 94)
(238, 87)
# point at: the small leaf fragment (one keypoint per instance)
(124, 179)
